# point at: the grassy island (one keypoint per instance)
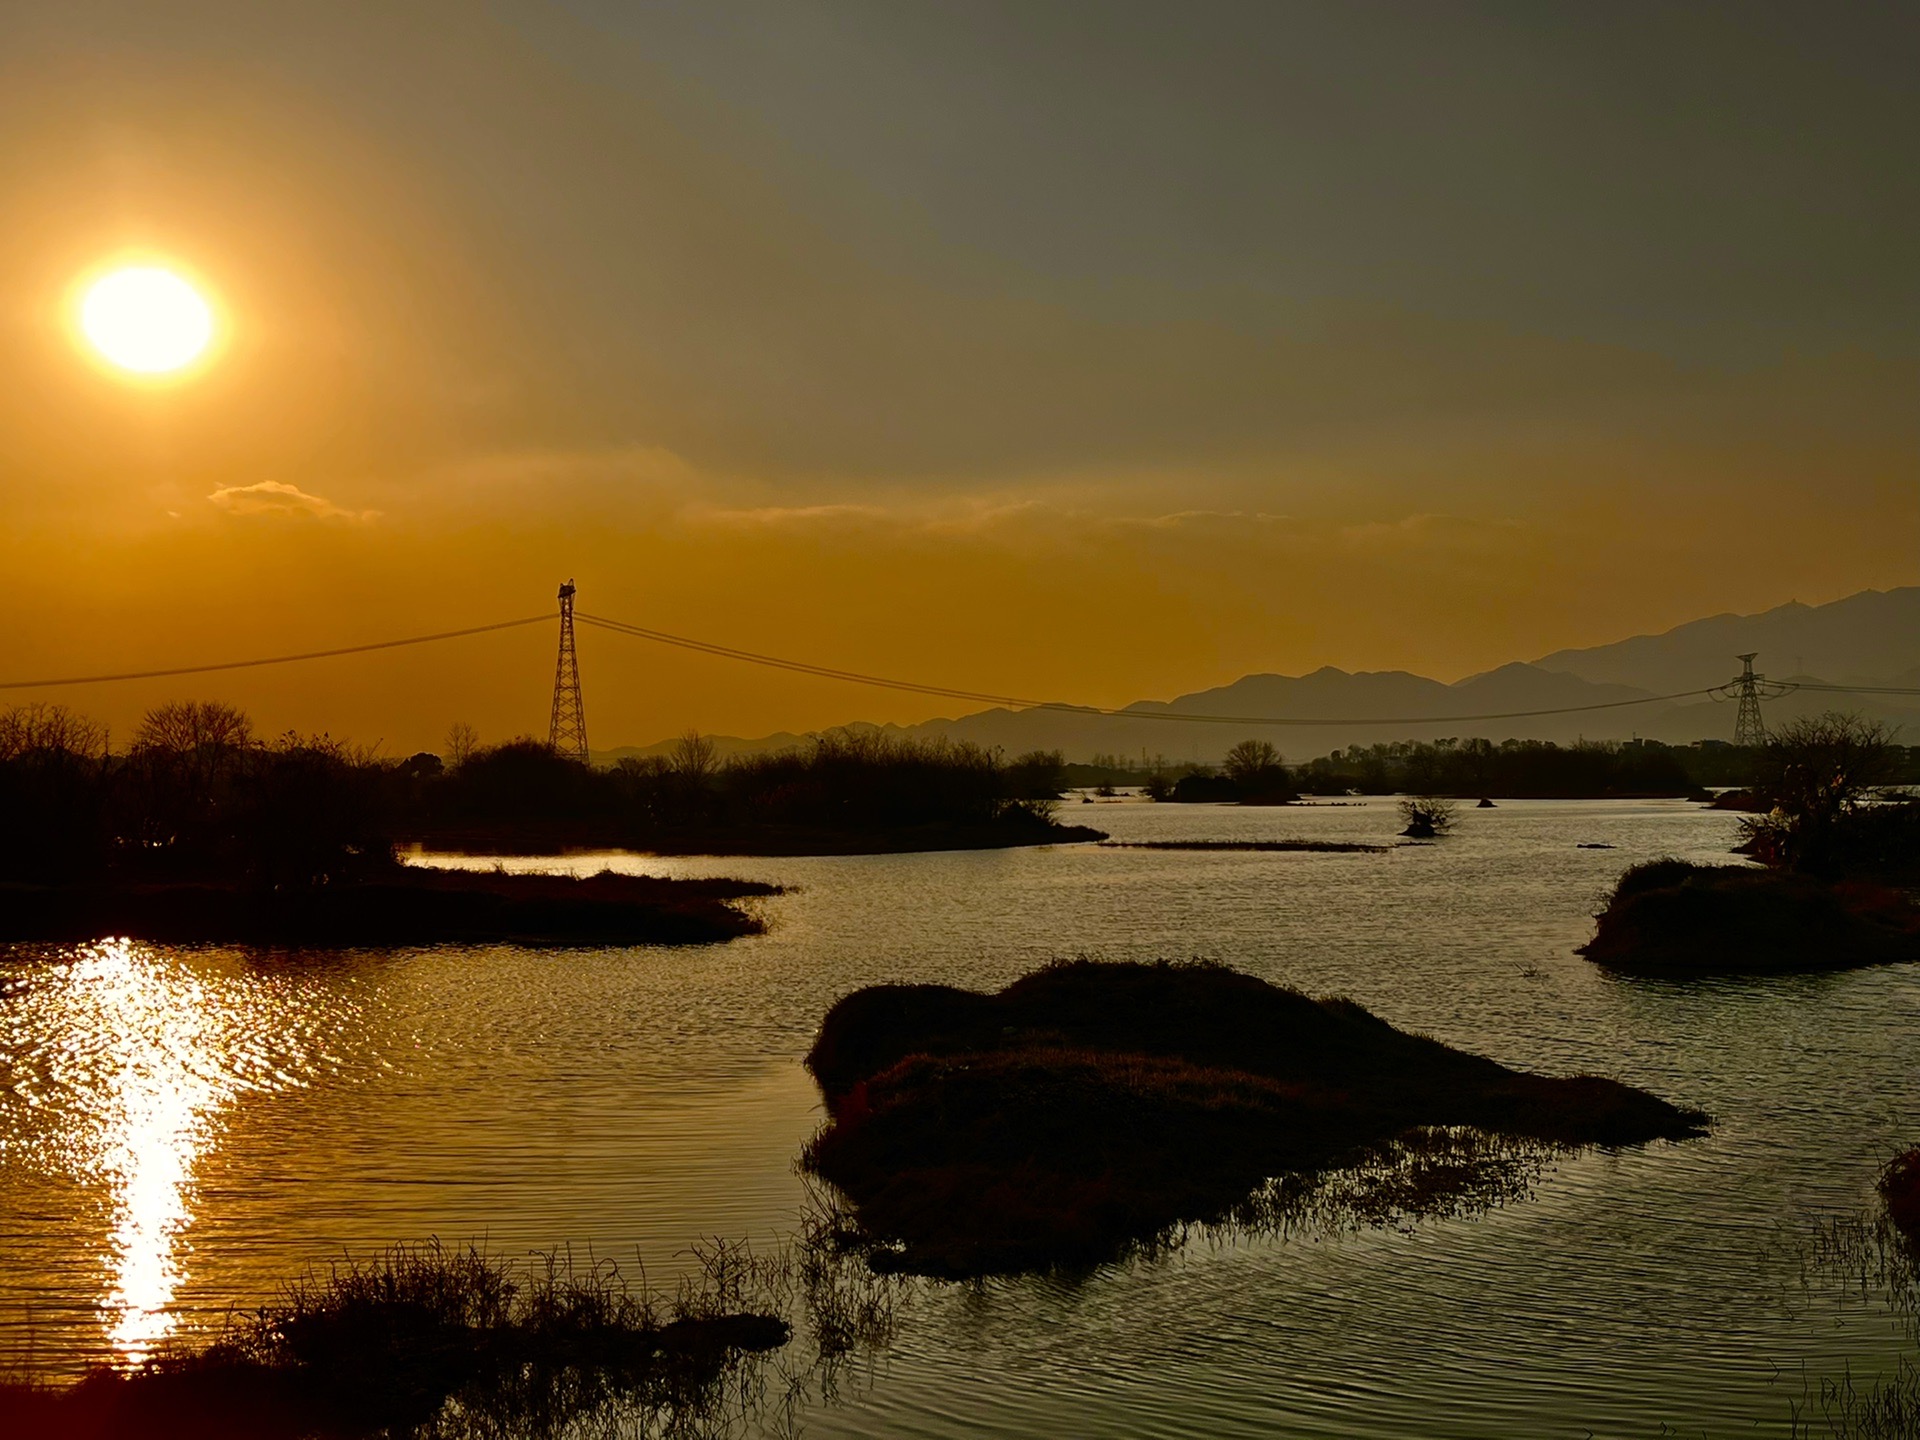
(1668, 917)
(1832, 842)
(1089, 1106)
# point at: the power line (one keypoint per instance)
(948, 692)
(707, 647)
(1851, 689)
(274, 659)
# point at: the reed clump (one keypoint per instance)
(430, 1341)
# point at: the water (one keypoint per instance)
(183, 1129)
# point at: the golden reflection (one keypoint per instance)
(119, 1065)
(148, 1038)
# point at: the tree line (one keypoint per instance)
(197, 793)
(1255, 773)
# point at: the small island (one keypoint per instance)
(1836, 854)
(1089, 1106)
(1672, 918)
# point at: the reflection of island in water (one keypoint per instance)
(150, 1057)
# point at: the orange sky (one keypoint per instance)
(1086, 352)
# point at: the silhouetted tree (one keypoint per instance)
(1816, 773)
(1255, 769)
(463, 743)
(52, 729)
(184, 727)
(1427, 817)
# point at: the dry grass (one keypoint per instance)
(435, 1342)
(1874, 1259)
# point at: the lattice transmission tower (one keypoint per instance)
(567, 734)
(1748, 727)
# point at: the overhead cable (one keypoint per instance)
(948, 692)
(274, 659)
(707, 647)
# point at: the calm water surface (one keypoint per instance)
(182, 1129)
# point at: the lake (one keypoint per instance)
(183, 1129)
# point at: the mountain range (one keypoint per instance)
(1872, 638)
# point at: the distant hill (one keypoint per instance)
(1865, 639)
(1870, 638)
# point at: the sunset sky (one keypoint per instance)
(1092, 351)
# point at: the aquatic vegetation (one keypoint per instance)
(435, 1342)
(429, 1342)
(1089, 1106)
(1670, 917)
(1873, 1259)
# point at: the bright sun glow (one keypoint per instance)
(146, 319)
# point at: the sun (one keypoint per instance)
(146, 319)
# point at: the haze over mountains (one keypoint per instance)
(1872, 638)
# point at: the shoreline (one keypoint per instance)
(412, 906)
(761, 842)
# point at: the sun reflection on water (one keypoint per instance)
(163, 1088)
(131, 1059)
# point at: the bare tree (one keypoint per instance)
(1815, 772)
(1252, 761)
(186, 726)
(695, 756)
(463, 742)
(50, 728)
(1823, 766)
(1427, 817)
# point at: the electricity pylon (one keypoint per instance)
(1748, 727)
(567, 734)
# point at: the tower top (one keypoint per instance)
(566, 590)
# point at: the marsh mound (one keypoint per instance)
(1669, 917)
(1089, 1106)
(402, 906)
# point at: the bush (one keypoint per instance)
(1426, 817)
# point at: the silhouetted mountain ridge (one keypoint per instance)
(1870, 638)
